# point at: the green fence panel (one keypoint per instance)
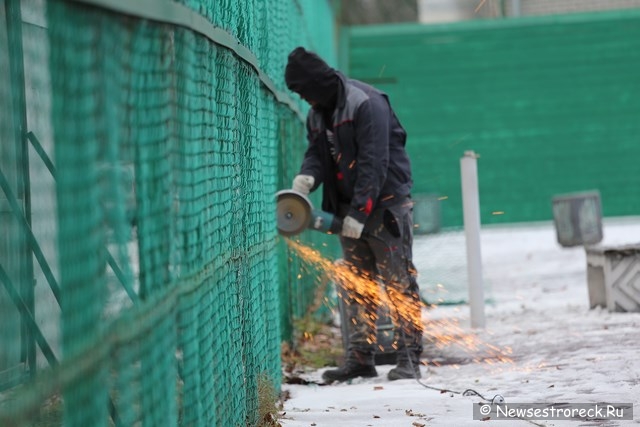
(549, 103)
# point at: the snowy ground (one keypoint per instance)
(559, 349)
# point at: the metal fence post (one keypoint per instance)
(23, 190)
(471, 208)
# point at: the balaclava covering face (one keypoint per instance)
(312, 78)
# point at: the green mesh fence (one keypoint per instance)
(303, 280)
(142, 281)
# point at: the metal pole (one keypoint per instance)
(471, 211)
(516, 9)
(16, 60)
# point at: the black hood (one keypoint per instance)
(312, 78)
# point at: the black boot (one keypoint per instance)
(357, 365)
(405, 369)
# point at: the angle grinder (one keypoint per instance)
(295, 213)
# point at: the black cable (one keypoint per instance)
(467, 392)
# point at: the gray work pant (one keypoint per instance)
(384, 254)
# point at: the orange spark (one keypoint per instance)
(365, 290)
(479, 6)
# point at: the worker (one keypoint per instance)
(356, 151)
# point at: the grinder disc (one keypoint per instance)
(293, 212)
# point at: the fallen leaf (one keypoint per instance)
(410, 413)
(551, 386)
(378, 387)
(376, 416)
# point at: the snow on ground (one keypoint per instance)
(559, 349)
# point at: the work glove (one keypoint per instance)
(303, 183)
(352, 228)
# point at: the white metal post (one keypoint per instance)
(471, 211)
(516, 9)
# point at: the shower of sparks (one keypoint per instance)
(363, 289)
(447, 334)
(442, 333)
(479, 6)
(382, 70)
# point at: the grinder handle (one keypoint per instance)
(325, 222)
(328, 223)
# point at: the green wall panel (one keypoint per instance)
(551, 105)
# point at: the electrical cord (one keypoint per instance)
(468, 392)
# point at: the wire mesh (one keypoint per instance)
(143, 282)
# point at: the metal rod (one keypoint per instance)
(26, 314)
(516, 8)
(471, 214)
(121, 277)
(35, 247)
(16, 61)
(43, 154)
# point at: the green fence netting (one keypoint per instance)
(142, 281)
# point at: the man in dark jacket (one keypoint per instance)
(357, 152)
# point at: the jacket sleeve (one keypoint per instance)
(312, 162)
(371, 124)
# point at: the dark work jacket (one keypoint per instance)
(369, 166)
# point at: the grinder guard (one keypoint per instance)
(293, 212)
